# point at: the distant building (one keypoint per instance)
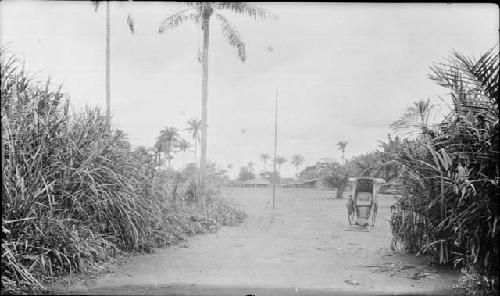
(317, 183)
(297, 184)
(284, 182)
(258, 182)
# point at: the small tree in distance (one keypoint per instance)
(246, 173)
(280, 160)
(168, 140)
(297, 161)
(194, 127)
(264, 157)
(342, 145)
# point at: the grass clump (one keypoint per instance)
(75, 193)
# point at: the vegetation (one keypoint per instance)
(246, 173)
(450, 171)
(342, 145)
(280, 160)
(378, 163)
(168, 141)
(75, 193)
(416, 120)
(183, 146)
(330, 172)
(201, 13)
(297, 161)
(264, 157)
(194, 126)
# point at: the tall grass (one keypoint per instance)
(451, 207)
(74, 193)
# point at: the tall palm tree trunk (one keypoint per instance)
(159, 158)
(195, 151)
(108, 57)
(169, 156)
(204, 86)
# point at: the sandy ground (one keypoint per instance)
(302, 247)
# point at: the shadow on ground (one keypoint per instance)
(212, 290)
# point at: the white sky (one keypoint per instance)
(343, 71)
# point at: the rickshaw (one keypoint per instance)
(362, 203)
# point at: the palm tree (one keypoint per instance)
(297, 161)
(169, 139)
(158, 150)
(183, 146)
(131, 26)
(194, 128)
(201, 13)
(280, 160)
(342, 145)
(264, 157)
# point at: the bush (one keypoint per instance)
(450, 207)
(74, 193)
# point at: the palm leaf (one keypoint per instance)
(468, 78)
(484, 72)
(190, 14)
(247, 9)
(194, 128)
(415, 120)
(232, 36)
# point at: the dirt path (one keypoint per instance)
(300, 248)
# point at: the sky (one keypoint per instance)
(341, 71)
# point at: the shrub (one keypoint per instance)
(74, 192)
(451, 172)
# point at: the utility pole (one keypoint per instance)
(275, 145)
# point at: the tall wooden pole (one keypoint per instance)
(275, 146)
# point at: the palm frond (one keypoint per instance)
(247, 9)
(416, 120)
(469, 79)
(484, 72)
(232, 36)
(190, 14)
(342, 144)
(194, 3)
(194, 126)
